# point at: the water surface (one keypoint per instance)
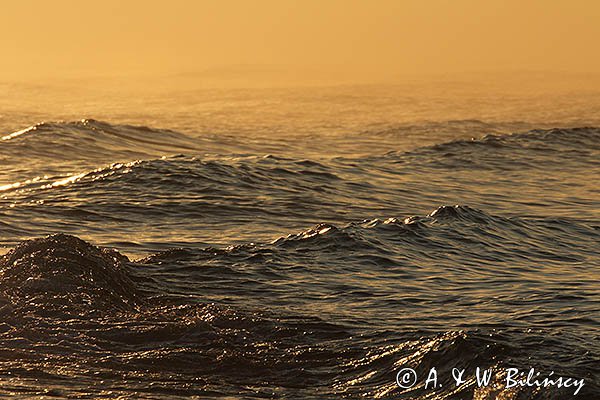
(298, 243)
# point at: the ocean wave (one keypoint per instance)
(550, 149)
(237, 198)
(92, 132)
(301, 253)
(63, 148)
(444, 258)
(447, 227)
(193, 347)
(537, 139)
(64, 271)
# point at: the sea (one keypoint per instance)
(349, 241)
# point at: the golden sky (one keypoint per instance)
(362, 39)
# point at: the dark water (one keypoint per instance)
(304, 267)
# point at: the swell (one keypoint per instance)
(538, 149)
(243, 198)
(92, 133)
(481, 243)
(537, 139)
(60, 148)
(54, 148)
(67, 303)
(96, 139)
(449, 258)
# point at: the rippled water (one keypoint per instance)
(247, 258)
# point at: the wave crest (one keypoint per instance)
(62, 271)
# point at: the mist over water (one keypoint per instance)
(302, 242)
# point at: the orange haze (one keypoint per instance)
(333, 39)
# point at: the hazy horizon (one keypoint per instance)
(296, 42)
